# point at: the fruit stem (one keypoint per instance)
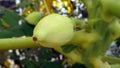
(17, 43)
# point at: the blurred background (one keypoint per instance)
(12, 24)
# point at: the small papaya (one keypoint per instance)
(53, 30)
(34, 17)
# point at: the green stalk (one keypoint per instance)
(111, 59)
(73, 56)
(111, 7)
(46, 6)
(17, 43)
(83, 38)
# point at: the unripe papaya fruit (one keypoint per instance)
(53, 30)
(33, 18)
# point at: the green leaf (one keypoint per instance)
(1, 25)
(17, 31)
(11, 32)
(69, 47)
(11, 18)
(27, 29)
(25, 3)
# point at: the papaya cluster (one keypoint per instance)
(80, 42)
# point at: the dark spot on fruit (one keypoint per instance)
(35, 39)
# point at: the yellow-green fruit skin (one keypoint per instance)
(33, 18)
(53, 30)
